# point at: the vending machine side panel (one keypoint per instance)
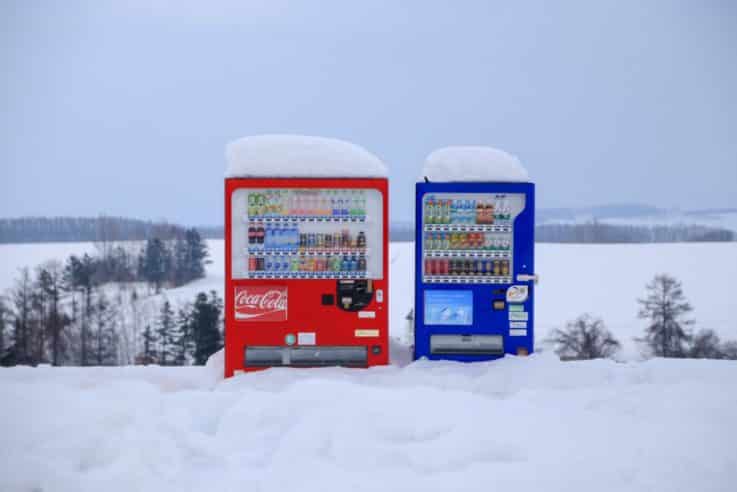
(473, 297)
(317, 319)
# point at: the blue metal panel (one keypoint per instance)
(485, 320)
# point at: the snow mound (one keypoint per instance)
(469, 163)
(519, 422)
(300, 156)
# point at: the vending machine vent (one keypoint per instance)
(306, 356)
(467, 344)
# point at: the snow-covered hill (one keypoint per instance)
(518, 424)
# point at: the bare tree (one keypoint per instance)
(705, 345)
(665, 307)
(585, 337)
(729, 350)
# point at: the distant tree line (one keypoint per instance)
(667, 334)
(49, 229)
(78, 229)
(598, 232)
(63, 313)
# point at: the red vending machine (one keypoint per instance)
(306, 248)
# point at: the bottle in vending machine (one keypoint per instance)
(361, 242)
(429, 210)
(335, 263)
(444, 241)
(362, 264)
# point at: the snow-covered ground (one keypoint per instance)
(516, 424)
(604, 280)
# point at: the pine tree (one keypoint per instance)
(105, 336)
(666, 308)
(183, 338)
(165, 334)
(180, 262)
(148, 356)
(196, 255)
(206, 326)
(21, 296)
(4, 360)
(50, 284)
(79, 275)
(156, 263)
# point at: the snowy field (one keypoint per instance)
(604, 280)
(517, 424)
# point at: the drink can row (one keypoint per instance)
(466, 267)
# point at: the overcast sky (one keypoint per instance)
(125, 107)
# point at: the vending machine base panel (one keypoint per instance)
(306, 356)
(467, 344)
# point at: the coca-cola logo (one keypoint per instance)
(261, 303)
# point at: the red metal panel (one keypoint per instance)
(305, 312)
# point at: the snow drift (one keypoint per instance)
(470, 163)
(523, 424)
(300, 156)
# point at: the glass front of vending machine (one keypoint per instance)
(474, 264)
(307, 273)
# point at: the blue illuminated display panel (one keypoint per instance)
(449, 307)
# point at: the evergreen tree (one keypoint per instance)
(180, 262)
(4, 352)
(156, 263)
(50, 285)
(206, 326)
(79, 275)
(21, 296)
(183, 338)
(148, 356)
(196, 255)
(105, 336)
(165, 334)
(665, 307)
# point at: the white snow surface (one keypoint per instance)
(523, 424)
(474, 163)
(300, 156)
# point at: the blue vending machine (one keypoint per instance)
(474, 270)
